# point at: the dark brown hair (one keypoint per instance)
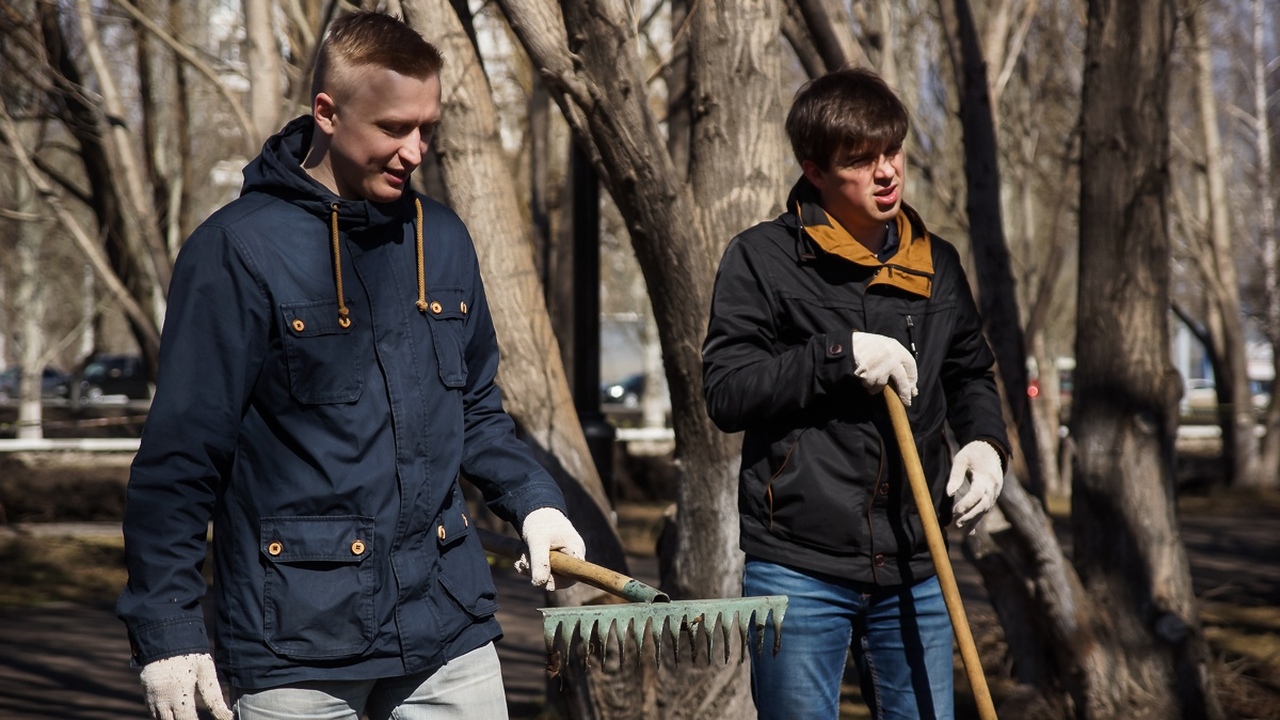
(852, 109)
(371, 39)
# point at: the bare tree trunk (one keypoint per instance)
(997, 294)
(1225, 316)
(1268, 471)
(1128, 551)
(595, 77)
(30, 299)
(145, 325)
(265, 80)
(81, 121)
(142, 231)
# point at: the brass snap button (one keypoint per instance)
(883, 489)
(298, 325)
(357, 547)
(275, 549)
(436, 307)
(440, 532)
(464, 307)
(879, 560)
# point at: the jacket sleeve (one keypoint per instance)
(750, 374)
(973, 403)
(494, 459)
(215, 332)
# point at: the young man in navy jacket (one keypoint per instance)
(326, 378)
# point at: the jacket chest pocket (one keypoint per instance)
(803, 317)
(446, 313)
(325, 361)
(318, 585)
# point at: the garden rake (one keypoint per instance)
(649, 612)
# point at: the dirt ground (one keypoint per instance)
(63, 654)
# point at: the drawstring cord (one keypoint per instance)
(344, 314)
(422, 283)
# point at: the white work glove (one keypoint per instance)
(877, 359)
(171, 684)
(544, 530)
(976, 480)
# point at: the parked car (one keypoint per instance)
(114, 375)
(627, 392)
(1200, 401)
(53, 384)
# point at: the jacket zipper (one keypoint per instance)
(911, 338)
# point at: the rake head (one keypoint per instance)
(698, 623)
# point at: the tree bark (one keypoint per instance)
(1224, 314)
(265, 81)
(142, 235)
(997, 296)
(80, 120)
(138, 317)
(595, 77)
(1131, 560)
(1269, 457)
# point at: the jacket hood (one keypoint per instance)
(910, 268)
(277, 170)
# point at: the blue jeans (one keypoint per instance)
(900, 637)
(466, 688)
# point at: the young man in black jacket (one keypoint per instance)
(814, 314)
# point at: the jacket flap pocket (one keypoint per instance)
(446, 303)
(340, 539)
(309, 319)
(453, 525)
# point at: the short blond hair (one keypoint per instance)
(367, 39)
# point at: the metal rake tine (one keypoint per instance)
(724, 635)
(675, 637)
(708, 630)
(776, 616)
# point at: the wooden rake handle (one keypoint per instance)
(938, 551)
(597, 576)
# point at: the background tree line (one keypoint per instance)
(1107, 164)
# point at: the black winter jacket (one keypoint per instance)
(822, 485)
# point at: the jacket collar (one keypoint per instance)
(277, 170)
(909, 268)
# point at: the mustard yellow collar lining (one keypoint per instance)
(911, 267)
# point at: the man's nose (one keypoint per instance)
(884, 166)
(414, 147)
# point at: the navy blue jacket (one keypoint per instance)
(327, 457)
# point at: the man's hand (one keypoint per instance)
(544, 530)
(976, 476)
(171, 685)
(877, 359)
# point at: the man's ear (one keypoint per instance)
(323, 111)
(814, 174)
